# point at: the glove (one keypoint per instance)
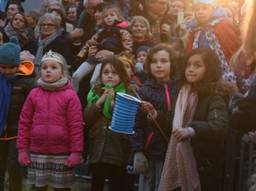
(73, 160)
(24, 158)
(140, 163)
(139, 67)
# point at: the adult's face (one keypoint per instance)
(91, 4)
(98, 16)
(11, 10)
(157, 7)
(176, 6)
(139, 30)
(47, 27)
(18, 21)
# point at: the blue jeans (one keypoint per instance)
(150, 180)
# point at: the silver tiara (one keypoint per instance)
(50, 55)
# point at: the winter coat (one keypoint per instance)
(147, 137)
(105, 145)
(113, 38)
(210, 123)
(62, 45)
(22, 84)
(51, 122)
(243, 116)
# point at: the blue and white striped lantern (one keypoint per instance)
(124, 113)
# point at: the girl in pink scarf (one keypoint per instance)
(194, 158)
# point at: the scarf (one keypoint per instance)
(19, 33)
(52, 86)
(42, 43)
(179, 168)
(93, 98)
(5, 99)
(214, 44)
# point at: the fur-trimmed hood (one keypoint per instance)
(221, 87)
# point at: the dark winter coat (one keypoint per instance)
(147, 137)
(105, 145)
(20, 89)
(210, 123)
(61, 44)
(243, 118)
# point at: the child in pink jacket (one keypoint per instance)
(50, 134)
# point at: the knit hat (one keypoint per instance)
(129, 58)
(10, 52)
(111, 44)
(142, 48)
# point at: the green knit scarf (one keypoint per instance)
(93, 98)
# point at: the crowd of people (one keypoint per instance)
(190, 63)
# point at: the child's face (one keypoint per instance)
(8, 70)
(176, 7)
(166, 29)
(160, 66)
(128, 69)
(98, 16)
(142, 56)
(72, 14)
(30, 20)
(110, 75)
(18, 21)
(139, 29)
(203, 12)
(110, 17)
(51, 71)
(195, 69)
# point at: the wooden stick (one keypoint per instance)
(155, 122)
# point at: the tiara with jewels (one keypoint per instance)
(54, 56)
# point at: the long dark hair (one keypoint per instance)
(118, 66)
(213, 71)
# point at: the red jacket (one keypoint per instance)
(228, 36)
(51, 122)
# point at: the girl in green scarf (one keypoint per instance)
(109, 151)
(113, 79)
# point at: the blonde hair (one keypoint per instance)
(143, 20)
(114, 9)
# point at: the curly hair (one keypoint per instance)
(153, 51)
(118, 66)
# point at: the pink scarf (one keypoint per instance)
(180, 166)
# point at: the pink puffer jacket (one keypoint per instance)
(51, 122)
